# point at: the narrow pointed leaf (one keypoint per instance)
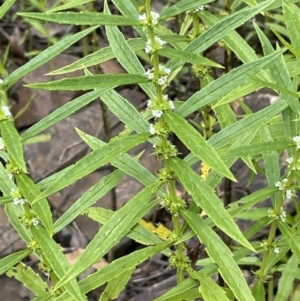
(10, 260)
(29, 278)
(224, 84)
(82, 18)
(196, 143)
(221, 255)
(93, 161)
(110, 233)
(88, 199)
(42, 208)
(205, 197)
(125, 55)
(90, 82)
(61, 113)
(13, 143)
(46, 56)
(57, 260)
(7, 4)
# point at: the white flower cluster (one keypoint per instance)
(153, 20)
(152, 129)
(281, 215)
(281, 185)
(162, 74)
(276, 250)
(199, 8)
(297, 140)
(5, 111)
(35, 222)
(159, 107)
(17, 201)
(152, 47)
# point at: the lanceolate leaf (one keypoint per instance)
(81, 18)
(57, 260)
(110, 233)
(10, 260)
(205, 197)
(221, 255)
(46, 56)
(196, 143)
(91, 82)
(224, 85)
(93, 161)
(5, 7)
(125, 55)
(116, 268)
(42, 208)
(13, 143)
(61, 113)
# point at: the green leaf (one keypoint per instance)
(290, 271)
(187, 57)
(256, 149)
(110, 233)
(7, 4)
(57, 260)
(29, 278)
(69, 4)
(224, 84)
(40, 209)
(196, 143)
(209, 289)
(124, 162)
(6, 184)
(205, 197)
(182, 6)
(221, 255)
(90, 197)
(125, 111)
(291, 237)
(116, 286)
(82, 18)
(61, 113)
(46, 56)
(125, 55)
(98, 57)
(10, 260)
(93, 161)
(5, 199)
(116, 268)
(13, 144)
(258, 291)
(90, 82)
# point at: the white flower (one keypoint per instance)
(289, 160)
(152, 129)
(155, 17)
(10, 176)
(157, 113)
(199, 8)
(148, 48)
(288, 194)
(6, 111)
(1, 81)
(282, 215)
(16, 201)
(35, 222)
(165, 97)
(171, 104)
(149, 102)
(142, 17)
(285, 180)
(162, 80)
(164, 70)
(159, 41)
(276, 250)
(278, 184)
(296, 139)
(150, 73)
(1, 143)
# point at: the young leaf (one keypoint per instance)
(221, 255)
(10, 260)
(88, 199)
(205, 197)
(93, 161)
(110, 233)
(196, 143)
(46, 56)
(82, 18)
(13, 143)
(90, 82)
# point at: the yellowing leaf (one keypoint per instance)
(161, 231)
